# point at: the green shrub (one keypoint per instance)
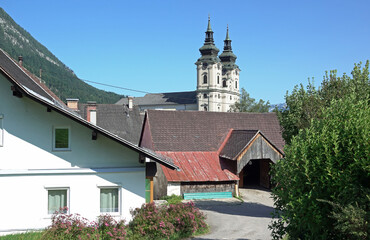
(167, 222)
(350, 221)
(329, 160)
(173, 199)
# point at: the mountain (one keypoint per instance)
(57, 76)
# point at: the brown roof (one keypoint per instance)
(197, 167)
(206, 131)
(117, 119)
(237, 141)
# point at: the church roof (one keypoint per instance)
(171, 98)
(206, 131)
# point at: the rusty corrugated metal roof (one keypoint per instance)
(196, 167)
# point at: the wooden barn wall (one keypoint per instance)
(159, 183)
(196, 187)
(260, 149)
(264, 173)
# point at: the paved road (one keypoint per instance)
(232, 219)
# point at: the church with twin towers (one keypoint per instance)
(217, 83)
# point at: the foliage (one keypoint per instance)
(167, 222)
(109, 228)
(248, 104)
(173, 199)
(57, 76)
(73, 226)
(328, 160)
(350, 221)
(306, 103)
(175, 221)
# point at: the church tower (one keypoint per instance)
(209, 73)
(230, 74)
(217, 81)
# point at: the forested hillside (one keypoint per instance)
(57, 76)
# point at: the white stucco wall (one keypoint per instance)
(173, 188)
(28, 165)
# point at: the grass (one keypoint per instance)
(23, 236)
(130, 235)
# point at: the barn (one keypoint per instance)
(217, 152)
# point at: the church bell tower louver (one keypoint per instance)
(217, 77)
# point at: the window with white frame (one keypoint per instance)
(1, 130)
(109, 199)
(58, 199)
(61, 138)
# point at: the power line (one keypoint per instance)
(113, 86)
(140, 91)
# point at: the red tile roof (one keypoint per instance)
(196, 167)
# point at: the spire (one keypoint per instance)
(227, 41)
(227, 33)
(209, 29)
(208, 51)
(209, 33)
(227, 57)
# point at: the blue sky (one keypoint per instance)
(152, 45)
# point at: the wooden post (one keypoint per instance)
(151, 189)
(236, 189)
(241, 181)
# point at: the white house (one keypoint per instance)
(51, 158)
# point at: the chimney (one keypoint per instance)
(130, 102)
(72, 103)
(20, 60)
(91, 112)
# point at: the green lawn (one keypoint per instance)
(21, 236)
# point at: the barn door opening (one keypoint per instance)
(255, 174)
(251, 174)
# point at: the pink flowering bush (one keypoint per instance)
(167, 222)
(73, 226)
(174, 221)
(69, 226)
(109, 228)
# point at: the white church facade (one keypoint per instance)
(217, 83)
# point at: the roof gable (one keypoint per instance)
(239, 141)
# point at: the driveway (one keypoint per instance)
(233, 219)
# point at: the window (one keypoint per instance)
(205, 95)
(218, 79)
(61, 138)
(236, 84)
(57, 199)
(1, 130)
(109, 200)
(205, 108)
(219, 96)
(205, 79)
(224, 83)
